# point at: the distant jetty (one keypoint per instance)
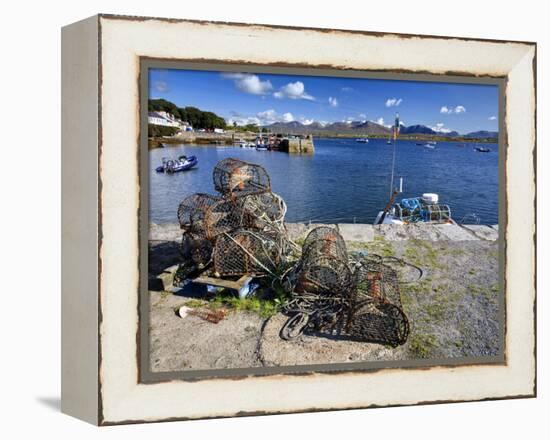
(293, 144)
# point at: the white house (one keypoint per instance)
(162, 118)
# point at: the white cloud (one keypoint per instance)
(160, 86)
(306, 121)
(393, 102)
(492, 118)
(249, 83)
(295, 90)
(332, 101)
(363, 116)
(240, 120)
(440, 128)
(450, 110)
(287, 117)
(380, 121)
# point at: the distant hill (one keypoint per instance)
(359, 128)
(365, 128)
(417, 129)
(482, 134)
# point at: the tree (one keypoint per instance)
(194, 116)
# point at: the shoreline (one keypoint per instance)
(363, 232)
(229, 139)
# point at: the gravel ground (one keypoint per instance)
(453, 311)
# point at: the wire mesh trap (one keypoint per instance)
(351, 299)
(225, 216)
(327, 241)
(248, 252)
(267, 209)
(242, 233)
(196, 249)
(377, 280)
(376, 322)
(418, 210)
(192, 209)
(234, 177)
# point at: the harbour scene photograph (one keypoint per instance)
(302, 221)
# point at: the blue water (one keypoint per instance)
(344, 181)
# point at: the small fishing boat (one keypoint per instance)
(362, 140)
(429, 146)
(424, 209)
(261, 145)
(182, 163)
(482, 149)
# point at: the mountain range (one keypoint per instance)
(364, 128)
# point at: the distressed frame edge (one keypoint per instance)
(146, 376)
(80, 396)
(105, 422)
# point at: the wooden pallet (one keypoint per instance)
(242, 285)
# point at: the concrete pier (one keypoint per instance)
(453, 310)
(361, 232)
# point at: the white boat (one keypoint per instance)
(362, 140)
(424, 209)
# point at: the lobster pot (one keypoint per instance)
(377, 280)
(417, 210)
(325, 275)
(225, 216)
(234, 178)
(248, 252)
(196, 250)
(191, 212)
(436, 213)
(324, 241)
(378, 322)
(267, 209)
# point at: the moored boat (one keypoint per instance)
(482, 149)
(182, 163)
(424, 209)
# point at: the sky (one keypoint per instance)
(267, 98)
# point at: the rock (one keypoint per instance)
(356, 232)
(482, 232)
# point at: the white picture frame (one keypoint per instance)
(101, 218)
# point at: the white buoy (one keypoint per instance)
(183, 311)
(430, 198)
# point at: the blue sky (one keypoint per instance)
(267, 98)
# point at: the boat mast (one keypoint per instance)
(395, 133)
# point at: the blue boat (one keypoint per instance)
(182, 163)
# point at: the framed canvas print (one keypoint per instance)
(262, 219)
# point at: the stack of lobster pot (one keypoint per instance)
(357, 299)
(238, 231)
